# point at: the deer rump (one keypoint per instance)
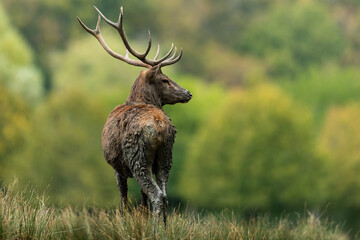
(136, 137)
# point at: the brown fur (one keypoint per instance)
(138, 137)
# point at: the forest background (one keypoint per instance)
(274, 124)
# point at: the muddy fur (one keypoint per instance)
(138, 137)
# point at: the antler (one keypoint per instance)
(143, 60)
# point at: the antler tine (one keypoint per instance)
(164, 57)
(119, 27)
(115, 25)
(97, 34)
(149, 46)
(172, 61)
(92, 32)
(173, 56)
(157, 53)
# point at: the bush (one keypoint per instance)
(340, 141)
(255, 152)
(17, 71)
(188, 118)
(63, 149)
(320, 89)
(292, 37)
(14, 126)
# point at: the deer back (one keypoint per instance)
(134, 127)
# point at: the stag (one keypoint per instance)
(138, 136)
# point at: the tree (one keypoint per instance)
(17, 70)
(340, 142)
(64, 150)
(20, 82)
(320, 89)
(94, 72)
(59, 19)
(188, 118)
(292, 37)
(255, 152)
(14, 125)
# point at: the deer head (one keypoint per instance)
(152, 86)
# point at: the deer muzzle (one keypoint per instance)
(188, 96)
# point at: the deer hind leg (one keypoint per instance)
(123, 189)
(139, 156)
(149, 188)
(164, 161)
(161, 179)
(143, 175)
(144, 201)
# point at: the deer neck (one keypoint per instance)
(143, 94)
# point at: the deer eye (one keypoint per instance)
(165, 81)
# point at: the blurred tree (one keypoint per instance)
(226, 19)
(64, 150)
(256, 152)
(14, 126)
(229, 68)
(187, 118)
(209, 31)
(293, 37)
(51, 25)
(17, 70)
(346, 14)
(212, 26)
(94, 72)
(340, 142)
(320, 89)
(199, 20)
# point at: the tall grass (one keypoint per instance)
(25, 214)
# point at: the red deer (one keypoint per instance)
(138, 136)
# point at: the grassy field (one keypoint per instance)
(27, 215)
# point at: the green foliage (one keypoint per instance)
(255, 152)
(23, 217)
(319, 89)
(339, 140)
(87, 86)
(14, 125)
(293, 37)
(310, 36)
(94, 72)
(188, 118)
(229, 68)
(59, 19)
(17, 70)
(67, 127)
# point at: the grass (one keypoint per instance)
(25, 214)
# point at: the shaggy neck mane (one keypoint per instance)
(143, 93)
